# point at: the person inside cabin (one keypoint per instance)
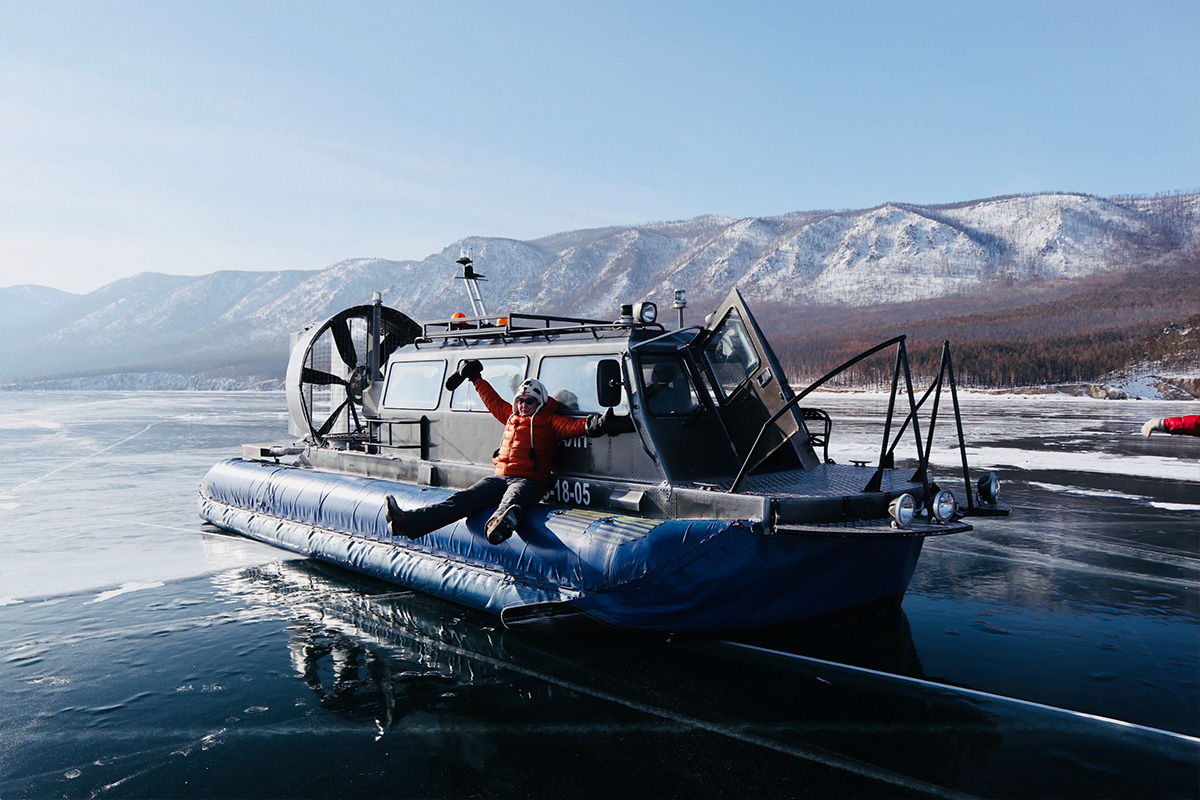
(533, 425)
(567, 400)
(1188, 426)
(668, 391)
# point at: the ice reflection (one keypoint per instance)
(854, 700)
(364, 649)
(353, 679)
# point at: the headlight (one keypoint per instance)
(902, 509)
(943, 506)
(989, 489)
(645, 313)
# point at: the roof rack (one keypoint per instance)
(520, 325)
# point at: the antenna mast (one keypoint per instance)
(472, 278)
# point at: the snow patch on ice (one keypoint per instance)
(125, 588)
(1058, 487)
(1111, 494)
(24, 422)
(1103, 463)
(1175, 506)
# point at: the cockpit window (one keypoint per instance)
(414, 384)
(730, 354)
(571, 380)
(666, 387)
(504, 374)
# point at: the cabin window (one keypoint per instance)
(730, 354)
(571, 380)
(505, 376)
(666, 388)
(414, 384)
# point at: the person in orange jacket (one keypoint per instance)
(1188, 426)
(532, 429)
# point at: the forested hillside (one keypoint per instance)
(1027, 335)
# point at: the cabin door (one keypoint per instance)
(750, 386)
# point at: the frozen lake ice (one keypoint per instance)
(150, 654)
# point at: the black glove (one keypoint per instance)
(610, 423)
(469, 371)
(595, 425)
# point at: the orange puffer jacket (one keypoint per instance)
(527, 449)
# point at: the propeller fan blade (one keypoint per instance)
(344, 342)
(324, 429)
(319, 378)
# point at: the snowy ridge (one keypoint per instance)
(895, 252)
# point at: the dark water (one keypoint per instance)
(1052, 654)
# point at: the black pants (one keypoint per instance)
(492, 491)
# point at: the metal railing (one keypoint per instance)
(421, 445)
(887, 452)
(521, 325)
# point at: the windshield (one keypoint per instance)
(730, 353)
(668, 391)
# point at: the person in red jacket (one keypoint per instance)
(532, 429)
(1188, 426)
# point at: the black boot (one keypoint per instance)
(397, 522)
(502, 524)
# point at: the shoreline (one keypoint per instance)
(1167, 385)
(1055, 392)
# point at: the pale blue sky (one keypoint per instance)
(188, 137)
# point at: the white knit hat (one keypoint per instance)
(535, 389)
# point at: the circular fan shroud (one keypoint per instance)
(328, 370)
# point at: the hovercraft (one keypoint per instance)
(715, 514)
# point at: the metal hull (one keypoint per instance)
(685, 576)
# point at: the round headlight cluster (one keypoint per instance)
(902, 509)
(989, 489)
(943, 507)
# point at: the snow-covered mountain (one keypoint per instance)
(21, 304)
(236, 323)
